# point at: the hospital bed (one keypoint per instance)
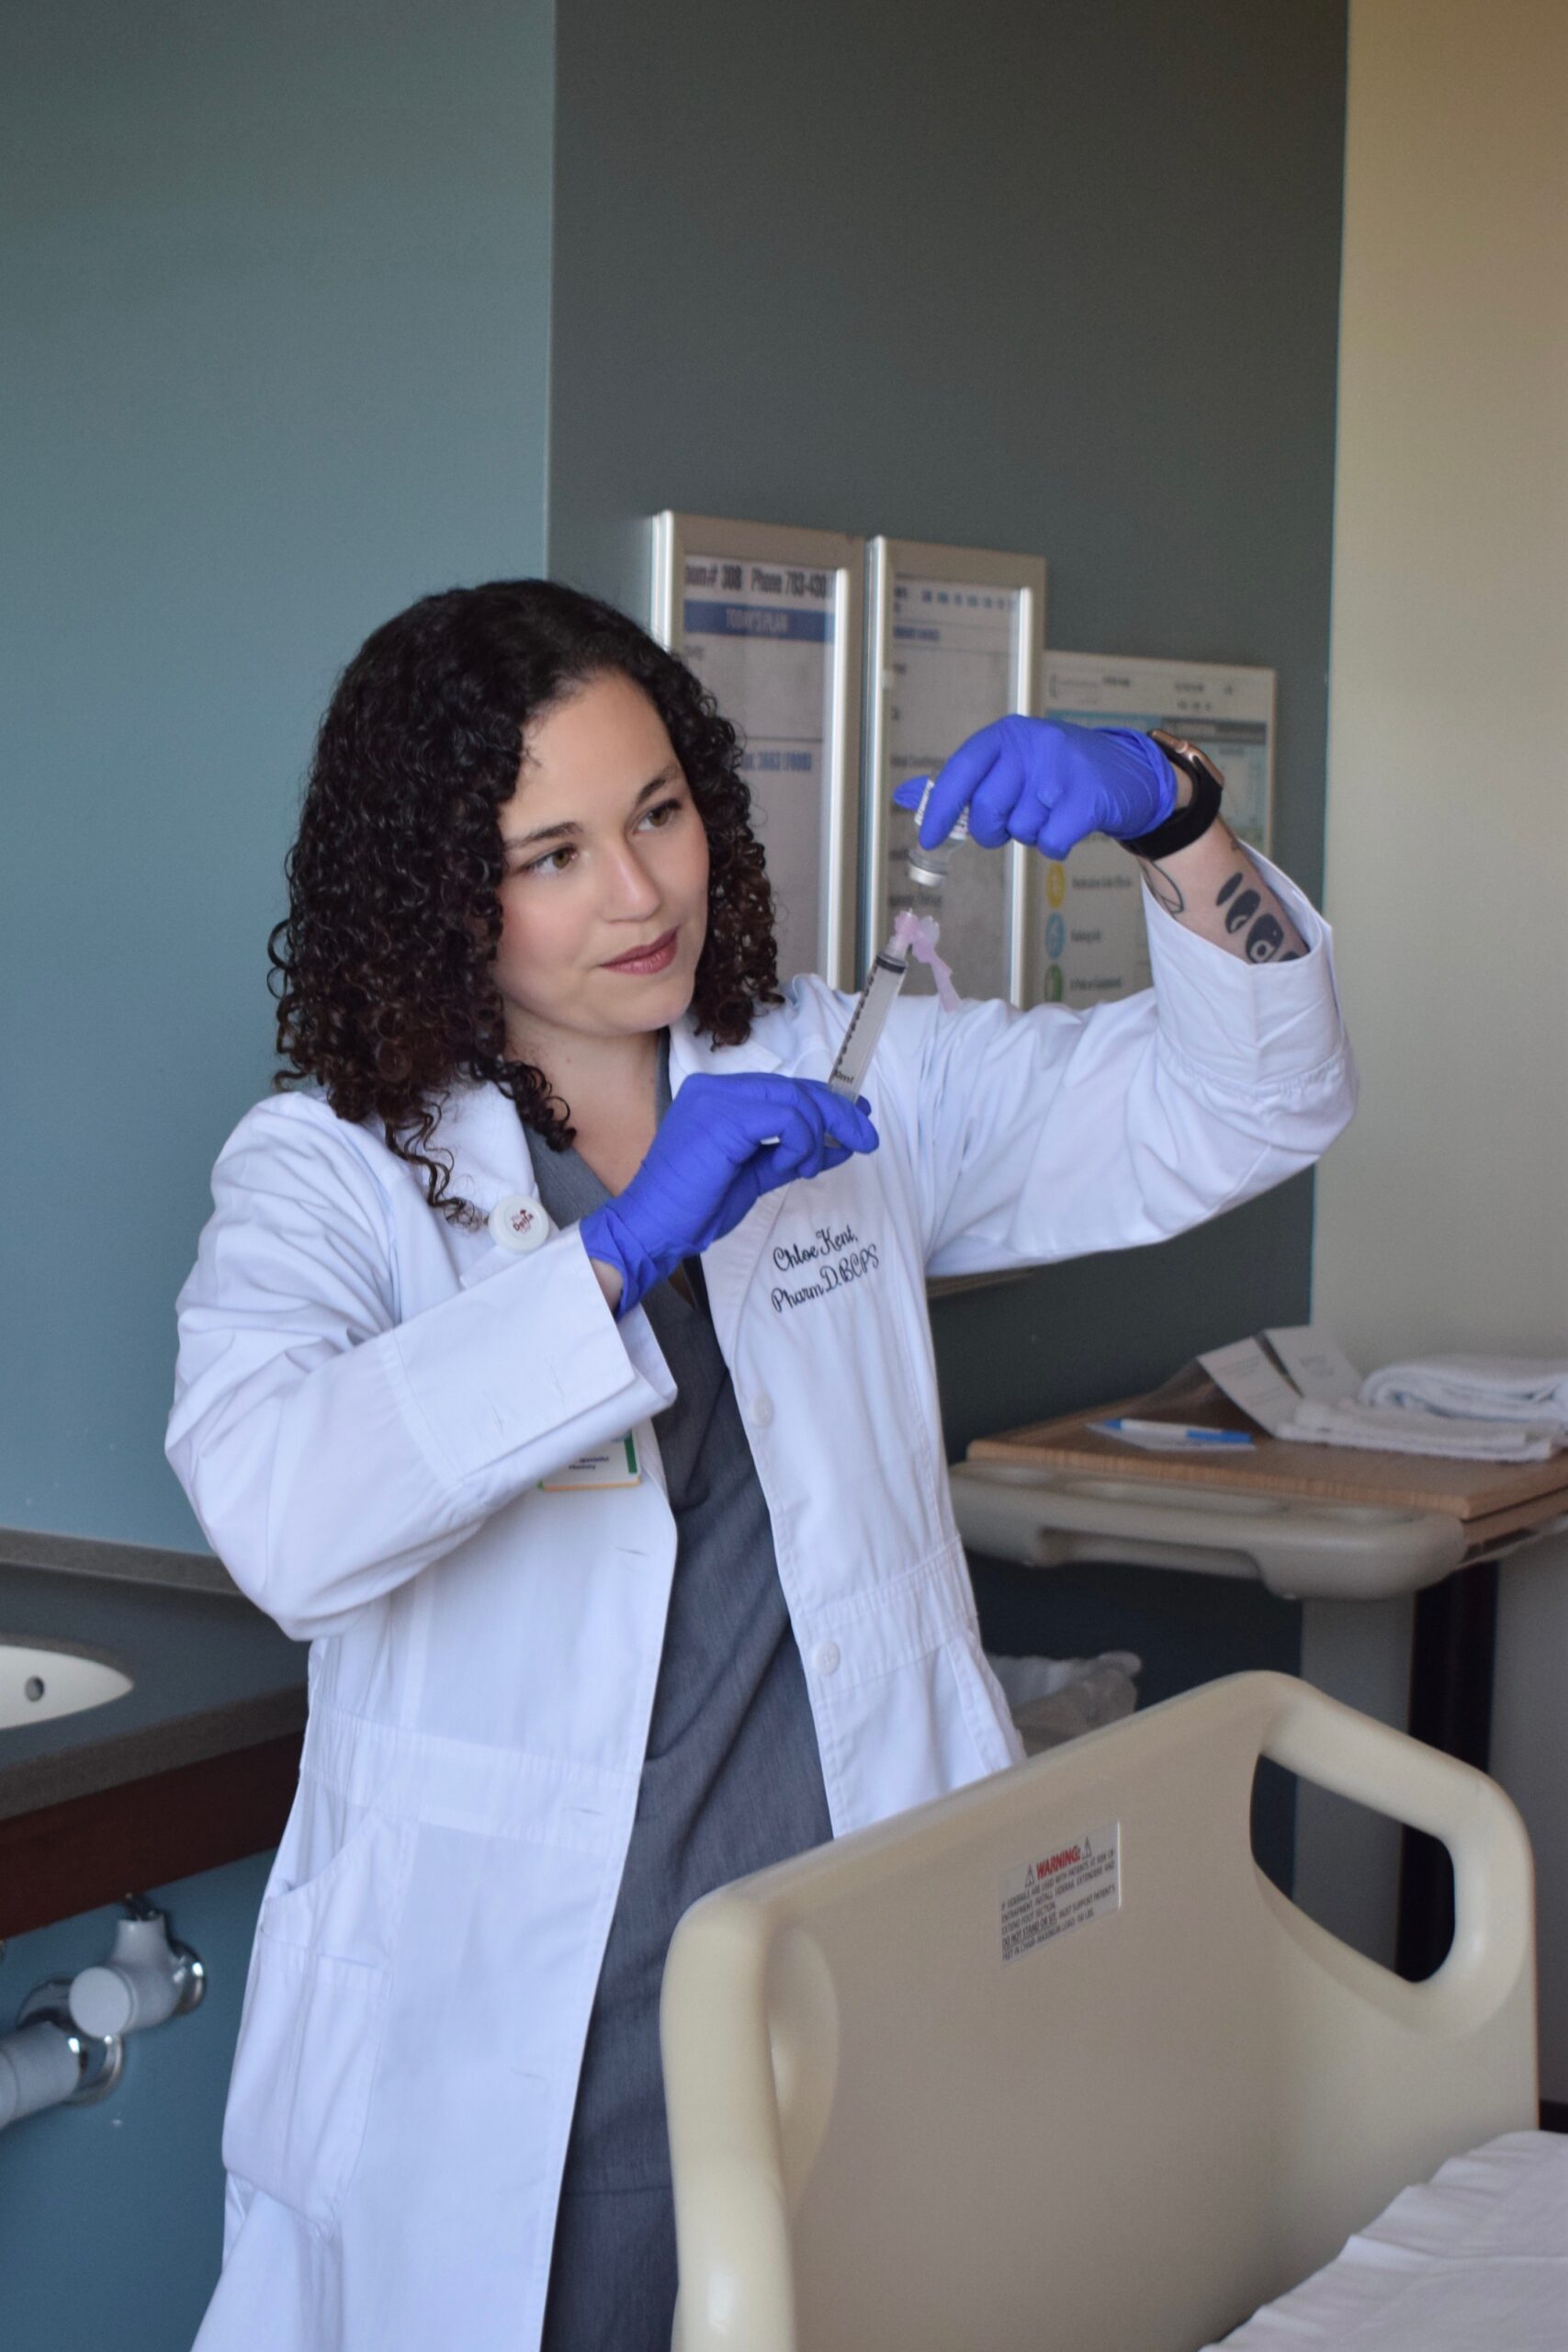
(1050, 2063)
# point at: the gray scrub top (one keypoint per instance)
(732, 1779)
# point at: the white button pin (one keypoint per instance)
(518, 1223)
(825, 1658)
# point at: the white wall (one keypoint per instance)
(1442, 1219)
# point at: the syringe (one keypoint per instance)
(873, 1006)
(915, 930)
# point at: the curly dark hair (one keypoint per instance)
(382, 967)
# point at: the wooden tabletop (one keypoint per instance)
(1490, 1498)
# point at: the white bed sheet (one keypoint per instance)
(1475, 2260)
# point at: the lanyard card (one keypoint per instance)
(615, 1464)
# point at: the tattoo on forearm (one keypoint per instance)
(1166, 892)
(1265, 939)
(1248, 906)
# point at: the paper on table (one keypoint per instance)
(1397, 1428)
(1312, 1361)
(1244, 1372)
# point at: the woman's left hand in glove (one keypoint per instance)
(1041, 781)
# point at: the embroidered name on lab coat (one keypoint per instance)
(834, 1257)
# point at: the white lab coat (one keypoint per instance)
(369, 1397)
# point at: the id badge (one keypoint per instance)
(615, 1464)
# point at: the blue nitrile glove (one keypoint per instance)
(1038, 780)
(722, 1144)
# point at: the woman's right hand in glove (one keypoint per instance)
(722, 1144)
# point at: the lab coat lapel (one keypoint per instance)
(490, 1148)
(491, 1155)
(690, 1053)
(489, 1144)
(491, 1160)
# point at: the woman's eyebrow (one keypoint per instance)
(669, 775)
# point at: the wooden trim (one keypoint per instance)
(1496, 1532)
(64, 1859)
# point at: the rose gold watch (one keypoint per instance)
(1183, 826)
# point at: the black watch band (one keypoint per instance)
(1189, 824)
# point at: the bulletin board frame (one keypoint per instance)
(678, 538)
(1021, 576)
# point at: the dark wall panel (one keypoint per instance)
(1061, 277)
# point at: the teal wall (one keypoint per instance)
(276, 290)
(1060, 277)
(276, 284)
(111, 2217)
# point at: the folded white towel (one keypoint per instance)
(1485, 1388)
(1399, 1430)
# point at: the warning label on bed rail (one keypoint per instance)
(1077, 1881)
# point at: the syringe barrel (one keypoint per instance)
(876, 1001)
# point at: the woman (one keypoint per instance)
(555, 1361)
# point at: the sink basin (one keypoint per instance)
(37, 1683)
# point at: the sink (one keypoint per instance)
(38, 1683)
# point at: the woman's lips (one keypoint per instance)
(656, 958)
